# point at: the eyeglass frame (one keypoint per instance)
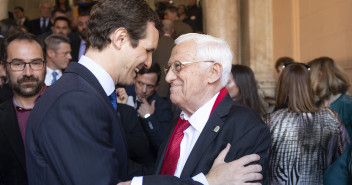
(182, 64)
(25, 63)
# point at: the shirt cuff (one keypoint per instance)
(200, 178)
(137, 181)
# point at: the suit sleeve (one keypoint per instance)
(78, 142)
(157, 124)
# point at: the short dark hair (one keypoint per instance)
(283, 61)
(20, 8)
(57, 10)
(20, 35)
(154, 68)
(63, 19)
(172, 9)
(109, 15)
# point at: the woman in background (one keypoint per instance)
(242, 88)
(330, 85)
(306, 139)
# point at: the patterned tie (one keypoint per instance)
(173, 151)
(112, 98)
(54, 77)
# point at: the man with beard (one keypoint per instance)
(23, 56)
(79, 46)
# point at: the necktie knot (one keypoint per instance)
(54, 73)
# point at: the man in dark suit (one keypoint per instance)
(43, 23)
(79, 45)
(198, 76)
(73, 135)
(153, 113)
(21, 19)
(27, 82)
(162, 55)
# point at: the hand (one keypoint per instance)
(124, 183)
(234, 172)
(146, 108)
(121, 95)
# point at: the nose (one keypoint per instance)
(27, 70)
(144, 88)
(170, 76)
(149, 60)
(69, 56)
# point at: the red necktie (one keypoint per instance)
(173, 151)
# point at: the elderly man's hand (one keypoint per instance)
(234, 172)
(146, 108)
(124, 183)
(121, 95)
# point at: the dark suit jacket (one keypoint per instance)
(239, 126)
(74, 136)
(75, 44)
(161, 56)
(12, 157)
(34, 27)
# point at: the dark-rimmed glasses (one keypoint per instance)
(19, 65)
(177, 66)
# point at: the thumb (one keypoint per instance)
(222, 155)
(153, 104)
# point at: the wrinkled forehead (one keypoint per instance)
(184, 51)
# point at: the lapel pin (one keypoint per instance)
(216, 129)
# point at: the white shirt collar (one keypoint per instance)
(201, 116)
(49, 71)
(103, 77)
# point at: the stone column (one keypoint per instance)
(257, 41)
(221, 19)
(3, 9)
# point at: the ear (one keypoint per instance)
(50, 53)
(214, 73)
(157, 86)
(119, 37)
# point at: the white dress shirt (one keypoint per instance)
(191, 135)
(103, 77)
(49, 75)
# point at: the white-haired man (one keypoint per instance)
(198, 71)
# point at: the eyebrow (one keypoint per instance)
(30, 59)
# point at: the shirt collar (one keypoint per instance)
(201, 116)
(25, 109)
(103, 77)
(49, 71)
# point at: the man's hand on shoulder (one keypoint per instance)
(234, 172)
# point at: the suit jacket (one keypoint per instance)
(74, 136)
(239, 126)
(161, 56)
(75, 45)
(34, 27)
(12, 157)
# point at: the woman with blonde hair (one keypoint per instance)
(306, 139)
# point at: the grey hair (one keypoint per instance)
(53, 41)
(210, 48)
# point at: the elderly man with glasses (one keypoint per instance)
(198, 71)
(23, 56)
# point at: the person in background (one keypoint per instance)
(43, 23)
(21, 19)
(181, 11)
(64, 6)
(79, 45)
(23, 55)
(194, 16)
(58, 56)
(180, 27)
(330, 85)
(301, 131)
(162, 55)
(242, 88)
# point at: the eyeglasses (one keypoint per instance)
(177, 66)
(19, 65)
(305, 65)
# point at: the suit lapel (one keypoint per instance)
(10, 128)
(207, 136)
